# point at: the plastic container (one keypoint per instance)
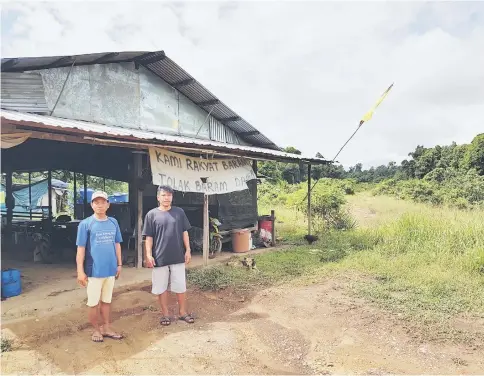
(265, 223)
(80, 198)
(118, 197)
(11, 283)
(241, 240)
(122, 197)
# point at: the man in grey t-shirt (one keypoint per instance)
(167, 251)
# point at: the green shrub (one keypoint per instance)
(327, 201)
(450, 187)
(327, 206)
(6, 344)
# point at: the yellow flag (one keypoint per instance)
(369, 114)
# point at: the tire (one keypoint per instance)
(215, 245)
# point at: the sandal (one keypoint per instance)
(97, 337)
(113, 336)
(187, 318)
(165, 321)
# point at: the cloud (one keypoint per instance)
(301, 72)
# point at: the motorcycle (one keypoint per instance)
(215, 238)
(54, 240)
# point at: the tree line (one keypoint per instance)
(421, 162)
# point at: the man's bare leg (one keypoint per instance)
(106, 328)
(106, 315)
(93, 314)
(163, 303)
(182, 306)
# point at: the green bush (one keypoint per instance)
(6, 345)
(327, 201)
(450, 187)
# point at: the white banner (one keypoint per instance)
(184, 173)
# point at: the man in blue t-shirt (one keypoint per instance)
(99, 263)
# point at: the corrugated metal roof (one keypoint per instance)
(49, 122)
(14, 88)
(165, 68)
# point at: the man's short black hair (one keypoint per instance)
(165, 188)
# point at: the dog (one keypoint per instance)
(247, 262)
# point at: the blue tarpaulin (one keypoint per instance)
(39, 189)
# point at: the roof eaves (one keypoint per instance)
(46, 122)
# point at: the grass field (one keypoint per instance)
(426, 263)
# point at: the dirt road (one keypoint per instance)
(282, 330)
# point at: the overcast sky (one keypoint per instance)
(303, 73)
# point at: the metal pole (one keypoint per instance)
(357, 129)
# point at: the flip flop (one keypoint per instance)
(113, 336)
(165, 321)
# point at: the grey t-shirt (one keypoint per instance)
(166, 228)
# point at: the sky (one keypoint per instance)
(303, 73)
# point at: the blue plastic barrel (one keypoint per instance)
(118, 197)
(80, 198)
(11, 283)
(124, 197)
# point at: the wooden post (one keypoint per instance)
(49, 189)
(75, 196)
(273, 234)
(254, 167)
(309, 199)
(30, 195)
(255, 200)
(138, 169)
(85, 197)
(206, 229)
(10, 204)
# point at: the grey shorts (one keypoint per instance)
(175, 274)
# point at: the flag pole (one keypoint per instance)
(349, 139)
(365, 117)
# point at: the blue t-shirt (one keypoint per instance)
(100, 260)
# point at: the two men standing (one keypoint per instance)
(99, 262)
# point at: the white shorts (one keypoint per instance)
(174, 273)
(99, 289)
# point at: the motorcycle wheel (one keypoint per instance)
(215, 246)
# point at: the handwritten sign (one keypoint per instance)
(184, 173)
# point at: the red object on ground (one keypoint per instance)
(265, 223)
(265, 229)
